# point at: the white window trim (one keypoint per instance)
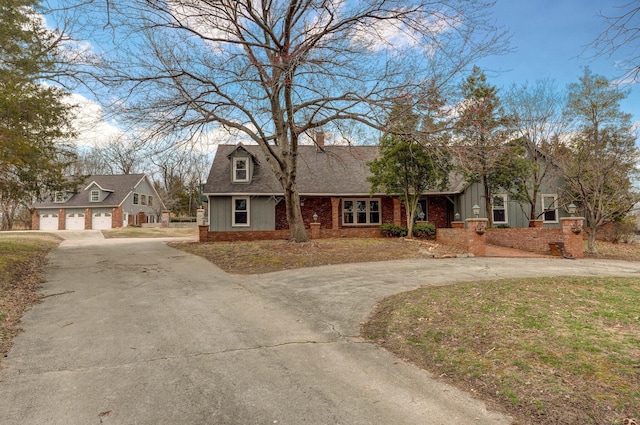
(555, 203)
(133, 198)
(235, 165)
(368, 201)
(94, 192)
(58, 197)
(233, 211)
(506, 208)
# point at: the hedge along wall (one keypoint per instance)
(532, 239)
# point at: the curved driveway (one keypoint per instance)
(135, 332)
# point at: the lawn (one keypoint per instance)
(22, 257)
(548, 351)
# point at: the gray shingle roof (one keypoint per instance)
(337, 171)
(120, 186)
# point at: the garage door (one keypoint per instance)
(101, 221)
(49, 222)
(75, 221)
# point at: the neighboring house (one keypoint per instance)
(244, 194)
(100, 202)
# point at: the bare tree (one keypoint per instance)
(623, 32)
(539, 124)
(277, 69)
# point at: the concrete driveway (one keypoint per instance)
(135, 332)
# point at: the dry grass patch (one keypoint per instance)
(22, 257)
(269, 256)
(549, 351)
(616, 251)
(151, 232)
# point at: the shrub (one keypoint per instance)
(392, 230)
(424, 230)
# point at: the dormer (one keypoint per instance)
(96, 192)
(242, 165)
(60, 197)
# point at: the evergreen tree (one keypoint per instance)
(486, 154)
(407, 165)
(599, 163)
(34, 119)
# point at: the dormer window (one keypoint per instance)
(240, 170)
(95, 195)
(58, 197)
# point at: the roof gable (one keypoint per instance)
(335, 171)
(118, 186)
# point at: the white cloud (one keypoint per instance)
(90, 123)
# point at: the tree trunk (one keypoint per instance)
(487, 201)
(591, 242)
(294, 214)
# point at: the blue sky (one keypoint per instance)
(549, 38)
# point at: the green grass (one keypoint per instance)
(553, 349)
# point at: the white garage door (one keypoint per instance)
(49, 222)
(101, 221)
(75, 221)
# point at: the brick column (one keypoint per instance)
(457, 224)
(335, 213)
(315, 230)
(535, 223)
(203, 232)
(117, 220)
(397, 211)
(88, 216)
(62, 217)
(572, 237)
(476, 236)
(35, 220)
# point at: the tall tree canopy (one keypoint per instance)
(34, 119)
(483, 131)
(408, 164)
(276, 70)
(599, 163)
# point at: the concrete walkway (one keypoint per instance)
(134, 332)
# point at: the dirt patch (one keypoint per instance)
(270, 256)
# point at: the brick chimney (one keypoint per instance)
(319, 141)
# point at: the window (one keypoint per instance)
(135, 199)
(240, 211)
(361, 211)
(240, 169)
(150, 200)
(550, 208)
(95, 196)
(143, 199)
(58, 197)
(499, 207)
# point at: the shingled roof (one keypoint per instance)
(334, 171)
(120, 186)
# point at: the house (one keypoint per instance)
(244, 195)
(100, 202)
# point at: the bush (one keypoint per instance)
(424, 230)
(392, 230)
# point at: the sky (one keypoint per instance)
(549, 38)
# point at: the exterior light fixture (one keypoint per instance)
(571, 209)
(476, 210)
(315, 217)
(456, 217)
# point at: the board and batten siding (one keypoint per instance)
(261, 209)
